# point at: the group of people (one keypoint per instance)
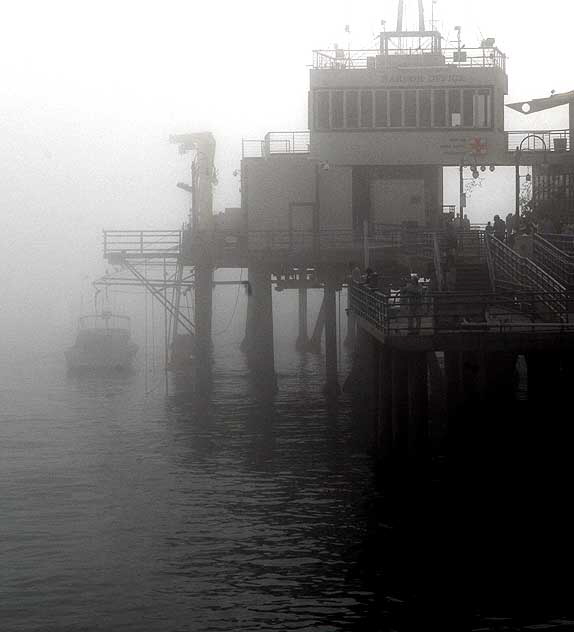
(411, 292)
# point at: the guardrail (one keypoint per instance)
(556, 140)
(288, 142)
(142, 243)
(554, 260)
(513, 272)
(349, 59)
(562, 241)
(397, 314)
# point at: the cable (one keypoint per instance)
(219, 333)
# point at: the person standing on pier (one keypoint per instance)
(413, 292)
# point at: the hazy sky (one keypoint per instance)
(90, 92)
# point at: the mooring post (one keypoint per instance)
(332, 387)
(302, 342)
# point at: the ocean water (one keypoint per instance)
(123, 508)
(126, 507)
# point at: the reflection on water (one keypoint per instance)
(217, 508)
(127, 511)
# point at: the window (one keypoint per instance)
(410, 97)
(352, 109)
(337, 109)
(381, 108)
(439, 117)
(482, 102)
(424, 108)
(367, 108)
(468, 108)
(396, 108)
(322, 110)
(454, 110)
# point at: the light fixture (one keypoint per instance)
(483, 167)
(492, 168)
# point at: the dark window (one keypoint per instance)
(410, 108)
(468, 108)
(367, 108)
(322, 110)
(482, 108)
(337, 118)
(396, 108)
(381, 108)
(424, 108)
(352, 109)
(454, 118)
(439, 108)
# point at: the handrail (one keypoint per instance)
(457, 312)
(512, 270)
(143, 242)
(562, 241)
(557, 262)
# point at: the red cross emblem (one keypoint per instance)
(478, 146)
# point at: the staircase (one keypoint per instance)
(472, 278)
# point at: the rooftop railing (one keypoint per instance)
(557, 140)
(350, 59)
(297, 142)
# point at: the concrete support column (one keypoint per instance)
(544, 379)
(315, 340)
(258, 341)
(332, 387)
(418, 404)
(203, 308)
(400, 402)
(454, 393)
(384, 400)
(302, 342)
(351, 337)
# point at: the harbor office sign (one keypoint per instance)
(422, 80)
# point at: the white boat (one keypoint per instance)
(103, 342)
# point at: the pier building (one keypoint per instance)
(364, 185)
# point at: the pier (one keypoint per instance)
(363, 187)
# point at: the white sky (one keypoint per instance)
(90, 92)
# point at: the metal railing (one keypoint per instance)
(397, 314)
(252, 148)
(563, 242)
(555, 140)
(555, 261)
(348, 59)
(287, 142)
(512, 272)
(142, 243)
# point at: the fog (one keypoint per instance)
(91, 92)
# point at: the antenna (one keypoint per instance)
(400, 12)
